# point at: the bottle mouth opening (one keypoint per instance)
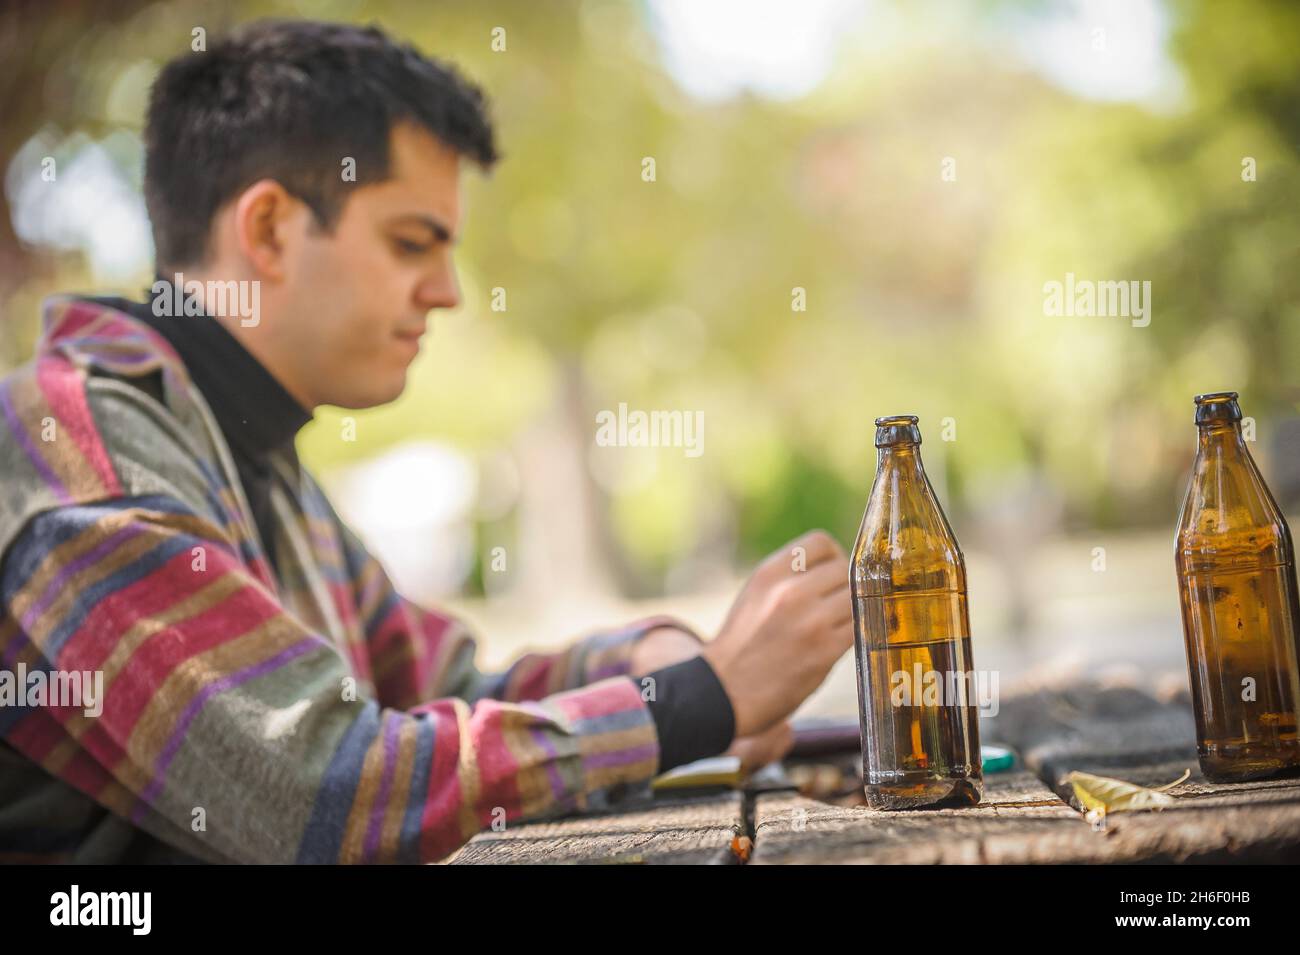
(897, 430)
(1216, 396)
(1219, 407)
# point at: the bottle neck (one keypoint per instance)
(905, 542)
(1229, 516)
(1220, 438)
(905, 458)
(900, 470)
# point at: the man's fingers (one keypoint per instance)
(842, 634)
(814, 547)
(837, 609)
(762, 748)
(838, 583)
(825, 578)
(834, 613)
(780, 740)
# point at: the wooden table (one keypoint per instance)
(1027, 815)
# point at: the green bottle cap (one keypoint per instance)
(997, 759)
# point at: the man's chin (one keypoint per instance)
(371, 397)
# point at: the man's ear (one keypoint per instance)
(262, 226)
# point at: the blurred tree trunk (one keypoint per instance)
(35, 35)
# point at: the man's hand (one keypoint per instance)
(755, 752)
(662, 647)
(792, 620)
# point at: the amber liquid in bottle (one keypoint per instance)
(920, 733)
(1237, 585)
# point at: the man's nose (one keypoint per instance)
(440, 290)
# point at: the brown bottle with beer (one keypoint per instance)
(916, 692)
(1237, 585)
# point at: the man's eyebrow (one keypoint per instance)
(439, 229)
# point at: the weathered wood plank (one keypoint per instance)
(1019, 820)
(1113, 731)
(692, 830)
(1228, 827)
(1126, 733)
(1211, 822)
(1118, 731)
(1252, 822)
(1103, 729)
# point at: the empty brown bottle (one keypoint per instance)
(916, 682)
(1237, 584)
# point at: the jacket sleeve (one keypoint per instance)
(418, 654)
(224, 722)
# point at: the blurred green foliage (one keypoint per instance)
(923, 296)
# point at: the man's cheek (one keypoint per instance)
(372, 344)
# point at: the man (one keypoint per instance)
(266, 694)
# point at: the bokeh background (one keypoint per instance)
(919, 169)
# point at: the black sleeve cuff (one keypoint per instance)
(691, 710)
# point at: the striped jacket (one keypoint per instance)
(313, 716)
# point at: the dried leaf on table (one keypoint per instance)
(1102, 795)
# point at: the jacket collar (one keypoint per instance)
(91, 333)
(256, 414)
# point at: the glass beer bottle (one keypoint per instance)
(916, 693)
(1237, 586)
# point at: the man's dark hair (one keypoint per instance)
(288, 100)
